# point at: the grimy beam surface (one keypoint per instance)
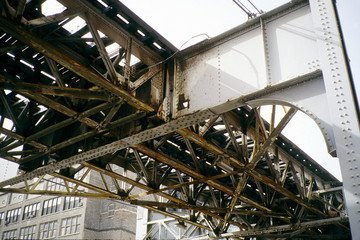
(177, 122)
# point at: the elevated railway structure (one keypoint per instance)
(185, 126)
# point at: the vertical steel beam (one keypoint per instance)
(343, 104)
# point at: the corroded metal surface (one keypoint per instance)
(79, 109)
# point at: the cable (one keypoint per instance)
(172, 55)
(244, 8)
(259, 11)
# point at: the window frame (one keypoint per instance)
(48, 227)
(33, 211)
(12, 215)
(26, 232)
(12, 231)
(51, 205)
(70, 226)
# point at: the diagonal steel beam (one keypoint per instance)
(59, 125)
(83, 136)
(178, 165)
(115, 196)
(59, 107)
(142, 166)
(144, 78)
(21, 138)
(9, 109)
(42, 21)
(50, 51)
(20, 9)
(142, 186)
(185, 184)
(232, 136)
(206, 208)
(102, 51)
(257, 175)
(284, 228)
(193, 155)
(237, 193)
(271, 139)
(55, 72)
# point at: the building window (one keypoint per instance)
(12, 215)
(48, 230)
(51, 206)
(28, 232)
(70, 225)
(9, 234)
(55, 184)
(31, 211)
(2, 215)
(72, 202)
(111, 209)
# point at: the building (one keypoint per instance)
(25, 216)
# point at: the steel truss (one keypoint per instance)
(103, 127)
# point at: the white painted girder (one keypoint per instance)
(275, 58)
(275, 48)
(342, 104)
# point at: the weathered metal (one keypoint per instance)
(187, 128)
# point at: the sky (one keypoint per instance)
(189, 22)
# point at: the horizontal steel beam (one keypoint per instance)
(56, 91)
(283, 228)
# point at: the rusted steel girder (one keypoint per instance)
(88, 134)
(211, 209)
(116, 32)
(56, 91)
(57, 126)
(177, 165)
(48, 50)
(132, 182)
(267, 181)
(116, 196)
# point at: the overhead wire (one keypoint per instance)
(172, 55)
(246, 9)
(259, 11)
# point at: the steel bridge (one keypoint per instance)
(185, 126)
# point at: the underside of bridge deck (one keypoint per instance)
(89, 100)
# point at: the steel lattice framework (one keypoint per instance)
(182, 139)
